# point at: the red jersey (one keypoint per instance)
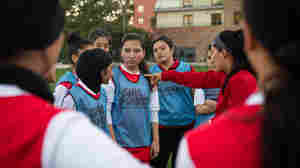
(232, 141)
(240, 86)
(22, 144)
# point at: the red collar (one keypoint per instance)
(173, 67)
(131, 77)
(95, 96)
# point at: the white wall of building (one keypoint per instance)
(175, 19)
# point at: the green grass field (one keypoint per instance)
(60, 72)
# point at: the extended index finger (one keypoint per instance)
(148, 75)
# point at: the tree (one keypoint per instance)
(86, 15)
(82, 15)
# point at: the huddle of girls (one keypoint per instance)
(246, 135)
(142, 114)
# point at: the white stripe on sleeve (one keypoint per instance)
(183, 158)
(154, 105)
(71, 140)
(60, 93)
(110, 93)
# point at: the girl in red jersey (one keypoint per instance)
(234, 73)
(34, 133)
(268, 138)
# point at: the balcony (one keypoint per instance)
(189, 8)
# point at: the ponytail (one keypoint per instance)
(233, 42)
(280, 142)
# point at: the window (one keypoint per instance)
(237, 15)
(187, 20)
(187, 3)
(216, 19)
(141, 20)
(141, 8)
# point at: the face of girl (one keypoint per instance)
(219, 57)
(132, 53)
(103, 43)
(211, 58)
(162, 52)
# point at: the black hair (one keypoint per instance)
(99, 32)
(76, 43)
(90, 65)
(233, 42)
(177, 52)
(134, 36)
(42, 23)
(166, 39)
(278, 33)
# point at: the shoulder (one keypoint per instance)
(67, 77)
(42, 109)
(153, 68)
(241, 124)
(184, 65)
(66, 84)
(243, 76)
(116, 69)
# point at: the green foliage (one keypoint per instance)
(112, 15)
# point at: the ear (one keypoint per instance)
(75, 58)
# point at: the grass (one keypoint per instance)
(59, 73)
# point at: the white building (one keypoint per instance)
(187, 13)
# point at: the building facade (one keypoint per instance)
(193, 24)
(188, 13)
(143, 14)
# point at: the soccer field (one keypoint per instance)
(60, 72)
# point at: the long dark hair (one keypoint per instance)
(76, 43)
(280, 37)
(233, 42)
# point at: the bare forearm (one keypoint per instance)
(155, 131)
